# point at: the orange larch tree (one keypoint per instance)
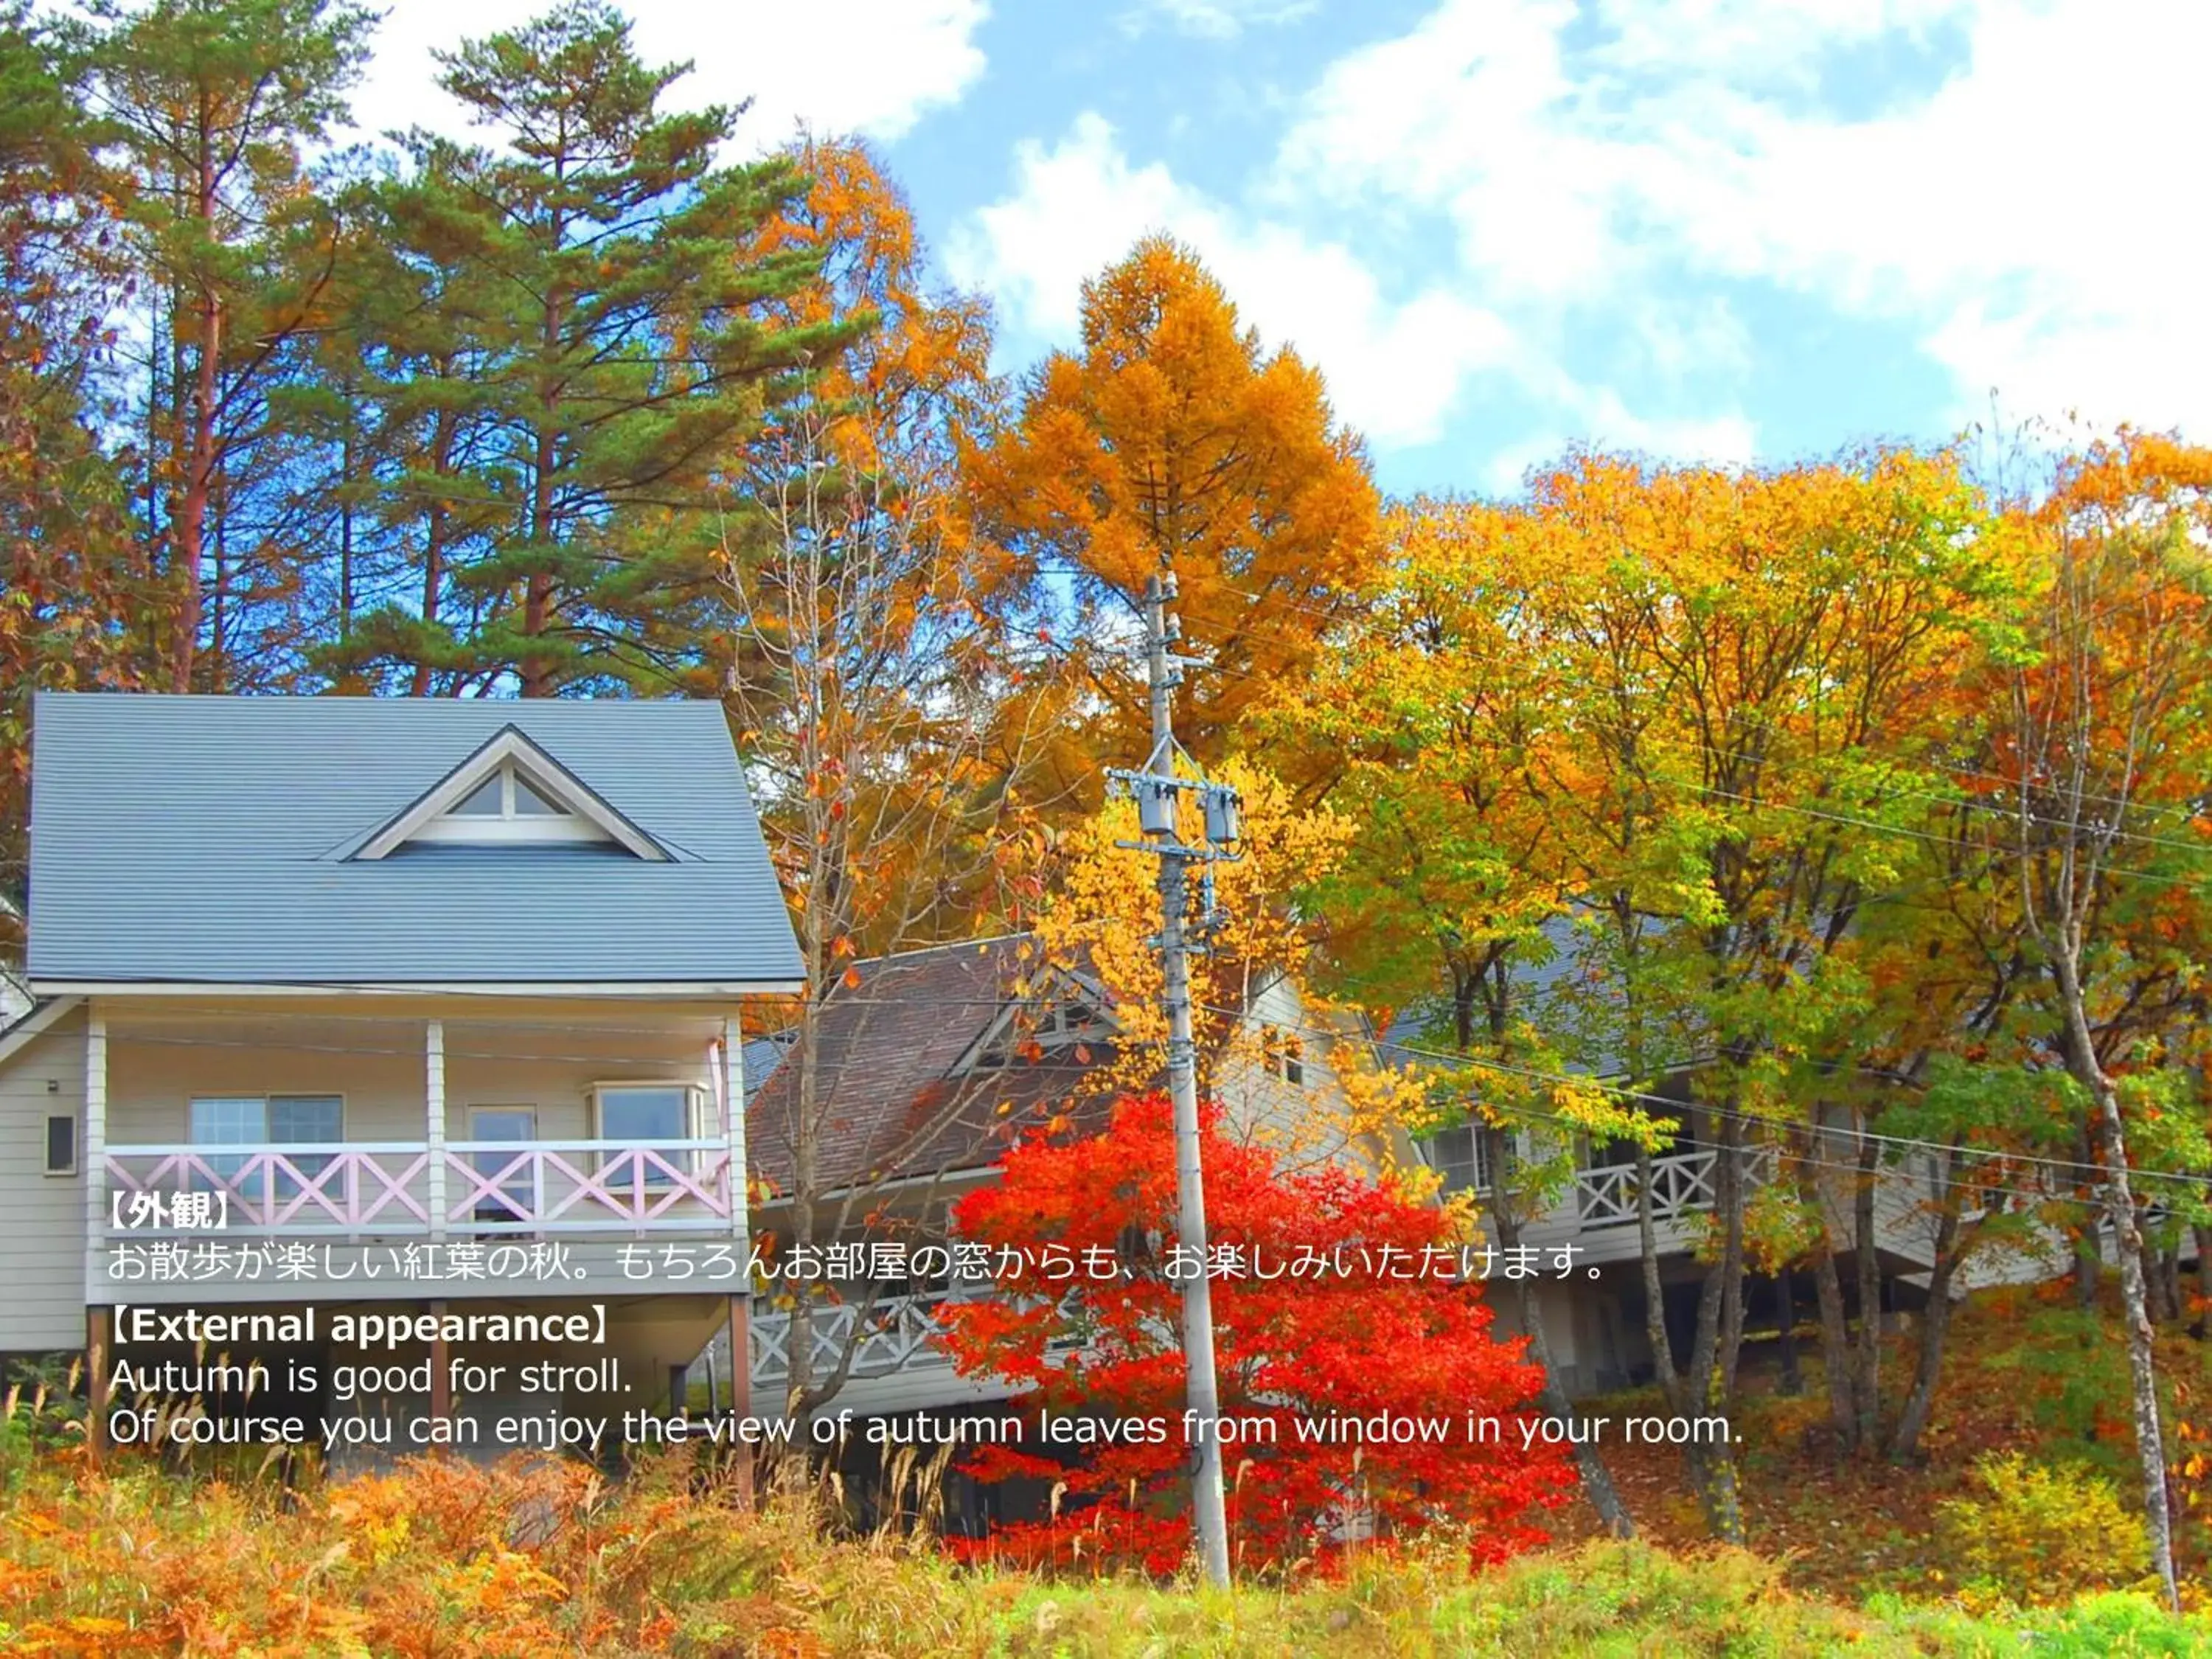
(1171, 440)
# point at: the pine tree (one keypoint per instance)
(601, 347)
(206, 109)
(71, 580)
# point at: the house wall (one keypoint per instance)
(41, 1216)
(157, 1062)
(1304, 1122)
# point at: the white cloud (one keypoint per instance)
(1218, 20)
(873, 67)
(1394, 367)
(1603, 422)
(2029, 217)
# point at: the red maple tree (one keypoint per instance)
(1302, 1357)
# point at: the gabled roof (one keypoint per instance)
(892, 1097)
(509, 764)
(212, 841)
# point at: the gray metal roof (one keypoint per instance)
(204, 839)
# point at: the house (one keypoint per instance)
(386, 1005)
(929, 1063)
(1594, 1313)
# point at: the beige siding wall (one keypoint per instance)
(41, 1216)
(378, 1068)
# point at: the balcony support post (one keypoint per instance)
(434, 1092)
(93, 1153)
(733, 1123)
(441, 1372)
(98, 1374)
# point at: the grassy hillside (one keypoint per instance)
(446, 1560)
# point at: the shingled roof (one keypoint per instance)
(891, 1101)
(227, 841)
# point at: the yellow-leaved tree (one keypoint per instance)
(1290, 1067)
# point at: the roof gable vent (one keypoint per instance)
(510, 792)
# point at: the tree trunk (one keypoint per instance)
(2152, 1279)
(2203, 1321)
(2112, 1136)
(1733, 1297)
(1785, 1304)
(1712, 1468)
(1597, 1479)
(434, 539)
(189, 522)
(1835, 1348)
(2088, 1258)
(535, 670)
(798, 1376)
(1655, 1299)
(1828, 1298)
(1866, 1372)
(1935, 1325)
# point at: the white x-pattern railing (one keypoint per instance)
(1681, 1182)
(545, 1188)
(896, 1334)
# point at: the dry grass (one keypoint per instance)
(443, 1558)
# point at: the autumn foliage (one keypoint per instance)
(1290, 1350)
(1173, 440)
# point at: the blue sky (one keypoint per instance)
(1731, 230)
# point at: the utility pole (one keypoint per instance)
(1158, 788)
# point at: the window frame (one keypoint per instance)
(507, 826)
(286, 1188)
(1286, 1056)
(693, 1128)
(1482, 1181)
(513, 1198)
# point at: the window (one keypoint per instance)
(61, 1144)
(509, 806)
(634, 1113)
(1461, 1156)
(1286, 1056)
(511, 1200)
(259, 1120)
(1030, 1034)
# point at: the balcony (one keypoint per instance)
(411, 1147)
(898, 1364)
(1681, 1184)
(896, 1334)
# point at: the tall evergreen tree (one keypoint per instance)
(600, 348)
(205, 109)
(71, 580)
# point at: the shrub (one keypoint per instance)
(2039, 1533)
